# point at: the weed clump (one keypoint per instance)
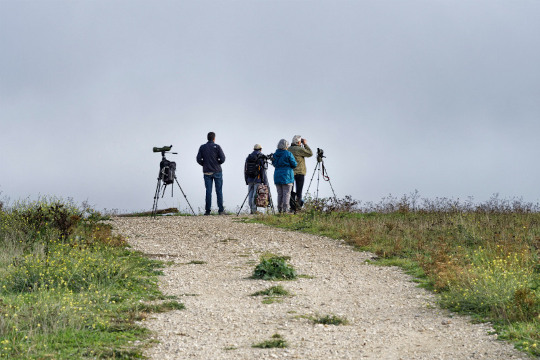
(277, 341)
(272, 294)
(328, 320)
(274, 267)
(272, 291)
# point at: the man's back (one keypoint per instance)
(211, 157)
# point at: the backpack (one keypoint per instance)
(252, 166)
(166, 171)
(262, 196)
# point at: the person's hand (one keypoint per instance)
(303, 141)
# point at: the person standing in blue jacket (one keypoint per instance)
(210, 157)
(284, 162)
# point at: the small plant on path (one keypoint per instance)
(272, 294)
(277, 341)
(274, 267)
(273, 291)
(328, 320)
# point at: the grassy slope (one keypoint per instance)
(482, 263)
(69, 288)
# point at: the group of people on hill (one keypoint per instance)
(288, 161)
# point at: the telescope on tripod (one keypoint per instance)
(321, 172)
(166, 176)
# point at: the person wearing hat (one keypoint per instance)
(254, 175)
(300, 149)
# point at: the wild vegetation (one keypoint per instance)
(274, 267)
(481, 258)
(69, 287)
(272, 294)
(277, 341)
(328, 319)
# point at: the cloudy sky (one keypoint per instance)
(442, 96)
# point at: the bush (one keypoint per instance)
(273, 267)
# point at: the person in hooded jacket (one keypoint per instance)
(284, 163)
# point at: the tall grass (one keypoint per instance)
(483, 259)
(69, 287)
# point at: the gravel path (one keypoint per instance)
(214, 257)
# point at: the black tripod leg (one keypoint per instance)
(328, 177)
(185, 197)
(156, 198)
(242, 204)
(318, 177)
(164, 188)
(270, 201)
(314, 170)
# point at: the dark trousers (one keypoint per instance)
(208, 180)
(299, 185)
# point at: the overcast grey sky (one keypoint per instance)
(436, 95)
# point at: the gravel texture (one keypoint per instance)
(213, 258)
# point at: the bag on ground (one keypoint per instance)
(262, 196)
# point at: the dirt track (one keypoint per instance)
(214, 257)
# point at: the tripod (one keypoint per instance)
(321, 171)
(167, 176)
(265, 182)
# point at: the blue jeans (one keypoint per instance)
(208, 180)
(252, 191)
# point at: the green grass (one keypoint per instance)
(328, 320)
(273, 291)
(277, 341)
(482, 259)
(69, 288)
(272, 294)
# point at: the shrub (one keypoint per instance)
(273, 267)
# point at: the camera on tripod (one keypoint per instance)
(320, 155)
(167, 176)
(167, 168)
(268, 157)
(162, 149)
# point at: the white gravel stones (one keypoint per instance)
(389, 318)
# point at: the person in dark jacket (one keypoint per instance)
(254, 175)
(210, 157)
(284, 163)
